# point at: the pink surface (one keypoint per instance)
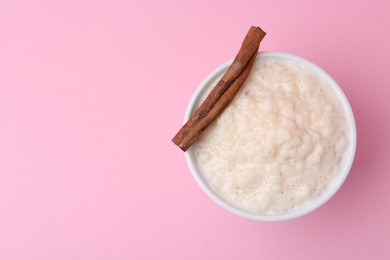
(91, 93)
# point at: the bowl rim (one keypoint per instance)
(326, 195)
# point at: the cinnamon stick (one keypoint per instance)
(223, 92)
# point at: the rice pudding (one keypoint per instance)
(280, 142)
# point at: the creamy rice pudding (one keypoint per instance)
(279, 143)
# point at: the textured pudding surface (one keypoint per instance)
(280, 142)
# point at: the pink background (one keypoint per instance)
(91, 93)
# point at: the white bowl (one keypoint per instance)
(326, 195)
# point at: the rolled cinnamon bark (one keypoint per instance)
(223, 92)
